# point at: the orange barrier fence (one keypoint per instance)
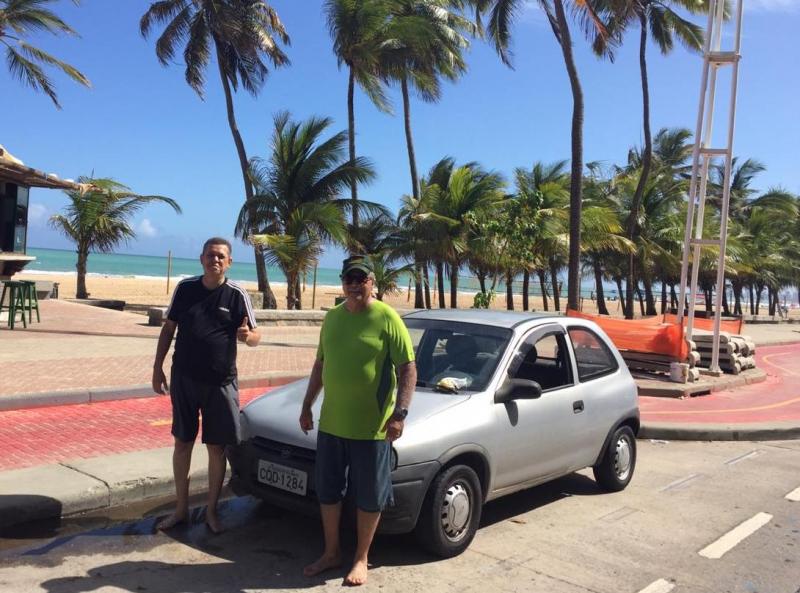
(649, 334)
(733, 326)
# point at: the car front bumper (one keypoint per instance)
(409, 483)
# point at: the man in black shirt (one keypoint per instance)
(210, 313)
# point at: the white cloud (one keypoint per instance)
(37, 214)
(147, 229)
(772, 5)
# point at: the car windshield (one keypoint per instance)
(456, 356)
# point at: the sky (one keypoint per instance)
(142, 125)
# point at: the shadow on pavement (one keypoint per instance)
(263, 547)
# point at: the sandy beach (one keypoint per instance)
(155, 292)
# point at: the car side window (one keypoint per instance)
(544, 360)
(592, 355)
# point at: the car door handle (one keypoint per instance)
(577, 406)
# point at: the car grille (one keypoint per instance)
(284, 450)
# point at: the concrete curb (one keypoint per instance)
(79, 486)
(761, 431)
(21, 401)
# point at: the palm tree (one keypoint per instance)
(19, 18)
(500, 20)
(388, 276)
(98, 219)
(470, 190)
(241, 35)
(357, 28)
(664, 25)
(424, 41)
(296, 208)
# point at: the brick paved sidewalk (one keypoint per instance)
(82, 347)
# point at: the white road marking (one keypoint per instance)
(750, 455)
(794, 495)
(728, 541)
(659, 586)
(677, 484)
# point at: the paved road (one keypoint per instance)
(662, 534)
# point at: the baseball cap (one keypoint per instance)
(357, 262)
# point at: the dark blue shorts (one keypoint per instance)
(218, 405)
(363, 467)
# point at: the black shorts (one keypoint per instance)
(218, 404)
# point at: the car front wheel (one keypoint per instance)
(451, 512)
(615, 469)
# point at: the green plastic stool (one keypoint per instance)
(31, 300)
(16, 301)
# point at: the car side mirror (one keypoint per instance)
(513, 389)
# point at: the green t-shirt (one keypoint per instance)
(359, 352)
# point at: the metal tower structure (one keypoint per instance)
(714, 58)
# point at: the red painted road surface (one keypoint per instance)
(39, 436)
(50, 435)
(775, 400)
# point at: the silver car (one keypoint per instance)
(504, 401)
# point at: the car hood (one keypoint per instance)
(275, 415)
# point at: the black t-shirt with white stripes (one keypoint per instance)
(205, 348)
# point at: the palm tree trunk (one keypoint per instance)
(576, 172)
(351, 140)
(454, 267)
(412, 160)
(80, 267)
(725, 309)
(419, 297)
(543, 287)
(598, 287)
(298, 294)
(663, 296)
(261, 267)
(427, 285)
(648, 295)
(509, 290)
(737, 297)
(752, 300)
(481, 280)
(554, 280)
(440, 284)
(648, 150)
(641, 301)
(526, 281)
(673, 298)
(621, 293)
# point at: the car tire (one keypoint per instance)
(451, 512)
(615, 470)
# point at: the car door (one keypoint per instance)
(535, 437)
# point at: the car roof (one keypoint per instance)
(508, 319)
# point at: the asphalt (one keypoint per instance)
(84, 355)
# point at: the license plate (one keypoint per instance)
(280, 476)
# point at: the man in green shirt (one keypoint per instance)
(363, 345)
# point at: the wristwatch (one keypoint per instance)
(400, 413)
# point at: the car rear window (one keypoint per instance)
(592, 355)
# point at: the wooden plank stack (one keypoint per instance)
(736, 353)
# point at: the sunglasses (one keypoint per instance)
(355, 279)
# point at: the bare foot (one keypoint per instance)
(172, 521)
(323, 563)
(213, 524)
(357, 575)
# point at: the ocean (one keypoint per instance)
(149, 266)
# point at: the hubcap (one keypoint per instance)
(456, 511)
(622, 459)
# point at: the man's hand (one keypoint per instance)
(160, 381)
(244, 330)
(306, 419)
(394, 429)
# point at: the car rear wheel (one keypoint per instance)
(451, 512)
(615, 470)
